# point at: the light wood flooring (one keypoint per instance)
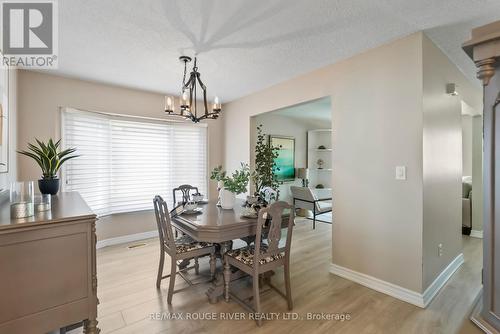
(128, 295)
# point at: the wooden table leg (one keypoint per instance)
(216, 291)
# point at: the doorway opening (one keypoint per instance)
(472, 172)
(303, 134)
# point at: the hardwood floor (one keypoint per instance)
(128, 295)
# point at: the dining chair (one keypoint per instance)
(185, 190)
(263, 256)
(183, 248)
(304, 198)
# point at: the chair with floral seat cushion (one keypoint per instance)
(264, 255)
(246, 255)
(186, 243)
(179, 249)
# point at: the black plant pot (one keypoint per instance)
(48, 186)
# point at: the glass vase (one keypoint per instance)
(22, 197)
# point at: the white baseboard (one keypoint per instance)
(379, 285)
(126, 238)
(442, 278)
(396, 291)
(476, 234)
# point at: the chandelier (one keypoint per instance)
(188, 106)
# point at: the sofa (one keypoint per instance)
(466, 205)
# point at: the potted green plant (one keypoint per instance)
(50, 158)
(264, 175)
(232, 185)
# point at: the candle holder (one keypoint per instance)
(22, 199)
(42, 202)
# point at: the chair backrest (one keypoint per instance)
(303, 193)
(164, 224)
(303, 197)
(186, 190)
(275, 213)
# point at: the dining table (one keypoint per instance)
(219, 226)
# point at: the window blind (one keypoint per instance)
(126, 161)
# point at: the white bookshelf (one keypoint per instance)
(315, 139)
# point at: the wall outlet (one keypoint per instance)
(440, 250)
(400, 172)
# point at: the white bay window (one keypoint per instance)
(126, 161)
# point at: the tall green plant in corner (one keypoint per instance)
(50, 158)
(264, 174)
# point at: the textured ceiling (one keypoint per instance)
(246, 45)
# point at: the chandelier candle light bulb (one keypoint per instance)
(184, 102)
(217, 106)
(169, 107)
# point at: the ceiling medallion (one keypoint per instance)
(188, 108)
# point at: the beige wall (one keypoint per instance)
(466, 145)
(377, 125)
(442, 163)
(477, 173)
(41, 96)
(380, 120)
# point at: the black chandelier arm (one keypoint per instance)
(193, 118)
(195, 67)
(192, 91)
(204, 88)
(205, 101)
(185, 71)
(191, 81)
(200, 82)
(212, 115)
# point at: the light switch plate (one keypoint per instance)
(400, 172)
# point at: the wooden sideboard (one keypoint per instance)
(48, 268)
